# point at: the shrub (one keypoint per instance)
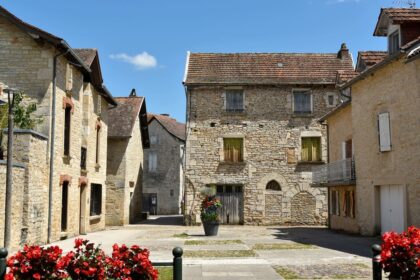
(400, 254)
(35, 262)
(130, 263)
(86, 262)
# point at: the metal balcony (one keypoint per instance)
(338, 172)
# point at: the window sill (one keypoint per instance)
(233, 113)
(97, 166)
(311, 162)
(94, 218)
(83, 170)
(232, 163)
(66, 159)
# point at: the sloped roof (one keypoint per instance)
(345, 76)
(366, 59)
(395, 16)
(87, 55)
(121, 119)
(265, 68)
(171, 125)
(70, 53)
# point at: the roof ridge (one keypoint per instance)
(265, 53)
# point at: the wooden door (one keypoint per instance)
(393, 215)
(231, 198)
(64, 205)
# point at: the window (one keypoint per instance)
(171, 192)
(331, 100)
(302, 102)
(64, 203)
(311, 149)
(273, 185)
(348, 149)
(384, 132)
(152, 162)
(232, 149)
(98, 138)
(335, 203)
(349, 209)
(67, 124)
(393, 42)
(95, 199)
(228, 189)
(153, 139)
(83, 158)
(234, 100)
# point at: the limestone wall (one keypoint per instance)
(17, 204)
(393, 89)
(272, 151)
(168, 174)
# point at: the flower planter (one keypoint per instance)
(211, 228)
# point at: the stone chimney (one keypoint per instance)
(133, 93)
(343, 53)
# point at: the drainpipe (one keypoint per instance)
(52, 142)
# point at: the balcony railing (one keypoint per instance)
(342, 171)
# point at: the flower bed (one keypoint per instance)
(86, 262)
(400, 256)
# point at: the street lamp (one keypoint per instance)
(9, 170)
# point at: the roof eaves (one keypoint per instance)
(373, 69)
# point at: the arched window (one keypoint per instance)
(273, 185)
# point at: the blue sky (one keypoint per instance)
(143, 44)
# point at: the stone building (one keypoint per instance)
(163, 174)
(127, 138)
(253, 133)
(67, 86)
(383, 124)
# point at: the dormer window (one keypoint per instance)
(393, 42)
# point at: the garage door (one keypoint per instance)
(393, 203)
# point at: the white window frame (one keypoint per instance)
(69, 77)
(392, 34)
(384, 132)
(302, 90)
(153, 139)
(152, 162)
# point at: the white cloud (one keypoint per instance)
(141, 61)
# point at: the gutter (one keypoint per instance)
(52, 143)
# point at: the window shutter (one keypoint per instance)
(384, 132)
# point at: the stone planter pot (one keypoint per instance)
(211, 228)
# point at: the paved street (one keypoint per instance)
(247, 252)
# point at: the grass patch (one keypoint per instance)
(286, 273)
(361, 265)
(220, 254)
(212, 242)
(282, 246)
(181, 235)
(165, 272)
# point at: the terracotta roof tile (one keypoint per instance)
(122, 118)
(265, 68)
(345, 76)
(174, 127)
(398, 15)
(367, 59)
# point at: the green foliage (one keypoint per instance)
(23, 114)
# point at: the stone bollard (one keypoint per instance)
(3, 256)
(376, 262)
(177, 265)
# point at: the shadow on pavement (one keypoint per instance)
(323, 237)
(170, 220)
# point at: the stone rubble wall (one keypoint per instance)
(272, 144)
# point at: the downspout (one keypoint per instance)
(52, 142)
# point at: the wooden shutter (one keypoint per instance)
(384, 132)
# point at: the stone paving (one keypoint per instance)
(332, 256)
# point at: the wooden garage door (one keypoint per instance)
(231, 197)
(393, 217)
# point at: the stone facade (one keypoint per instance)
(394, 89)
(272, 136)
(125, 161)
(165, 182)
(28, 66)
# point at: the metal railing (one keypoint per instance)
(176, 264)
(338, 171)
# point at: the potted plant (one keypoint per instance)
(209, 215)
(400, 256)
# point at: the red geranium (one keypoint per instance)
(400, 254)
